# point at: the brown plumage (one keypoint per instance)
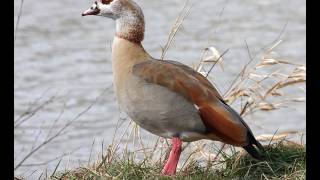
(167, 98)
(198, 90)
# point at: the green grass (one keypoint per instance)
(283, 161)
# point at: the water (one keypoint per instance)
(59, 53)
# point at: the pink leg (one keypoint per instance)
(172, 162)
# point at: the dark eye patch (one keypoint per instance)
(96, 7)
(106, 1)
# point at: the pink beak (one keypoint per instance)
(91, 12)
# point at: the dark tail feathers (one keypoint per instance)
(253, 151)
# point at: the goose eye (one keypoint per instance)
(94, 7)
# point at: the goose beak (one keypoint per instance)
(91, 12)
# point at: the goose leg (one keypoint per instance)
(172, 162)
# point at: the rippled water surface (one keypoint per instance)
(59, 53)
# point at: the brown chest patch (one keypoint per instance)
(106, 1)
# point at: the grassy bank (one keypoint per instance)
(283, 161)
(261, 85)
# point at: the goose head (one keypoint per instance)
(127, 14)
(115, 9)
(104, 8)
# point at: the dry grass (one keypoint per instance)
(32, 110)
(285, 159)
(259, 86)
(175, 28)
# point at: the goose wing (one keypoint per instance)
(219, 118)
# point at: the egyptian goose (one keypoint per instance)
(167, 98)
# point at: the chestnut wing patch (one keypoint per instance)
(106, 1)
(223, 124)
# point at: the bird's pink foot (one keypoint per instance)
(169, 170)
(171, 165)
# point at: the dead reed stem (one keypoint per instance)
(175, 28)
(18, 22)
